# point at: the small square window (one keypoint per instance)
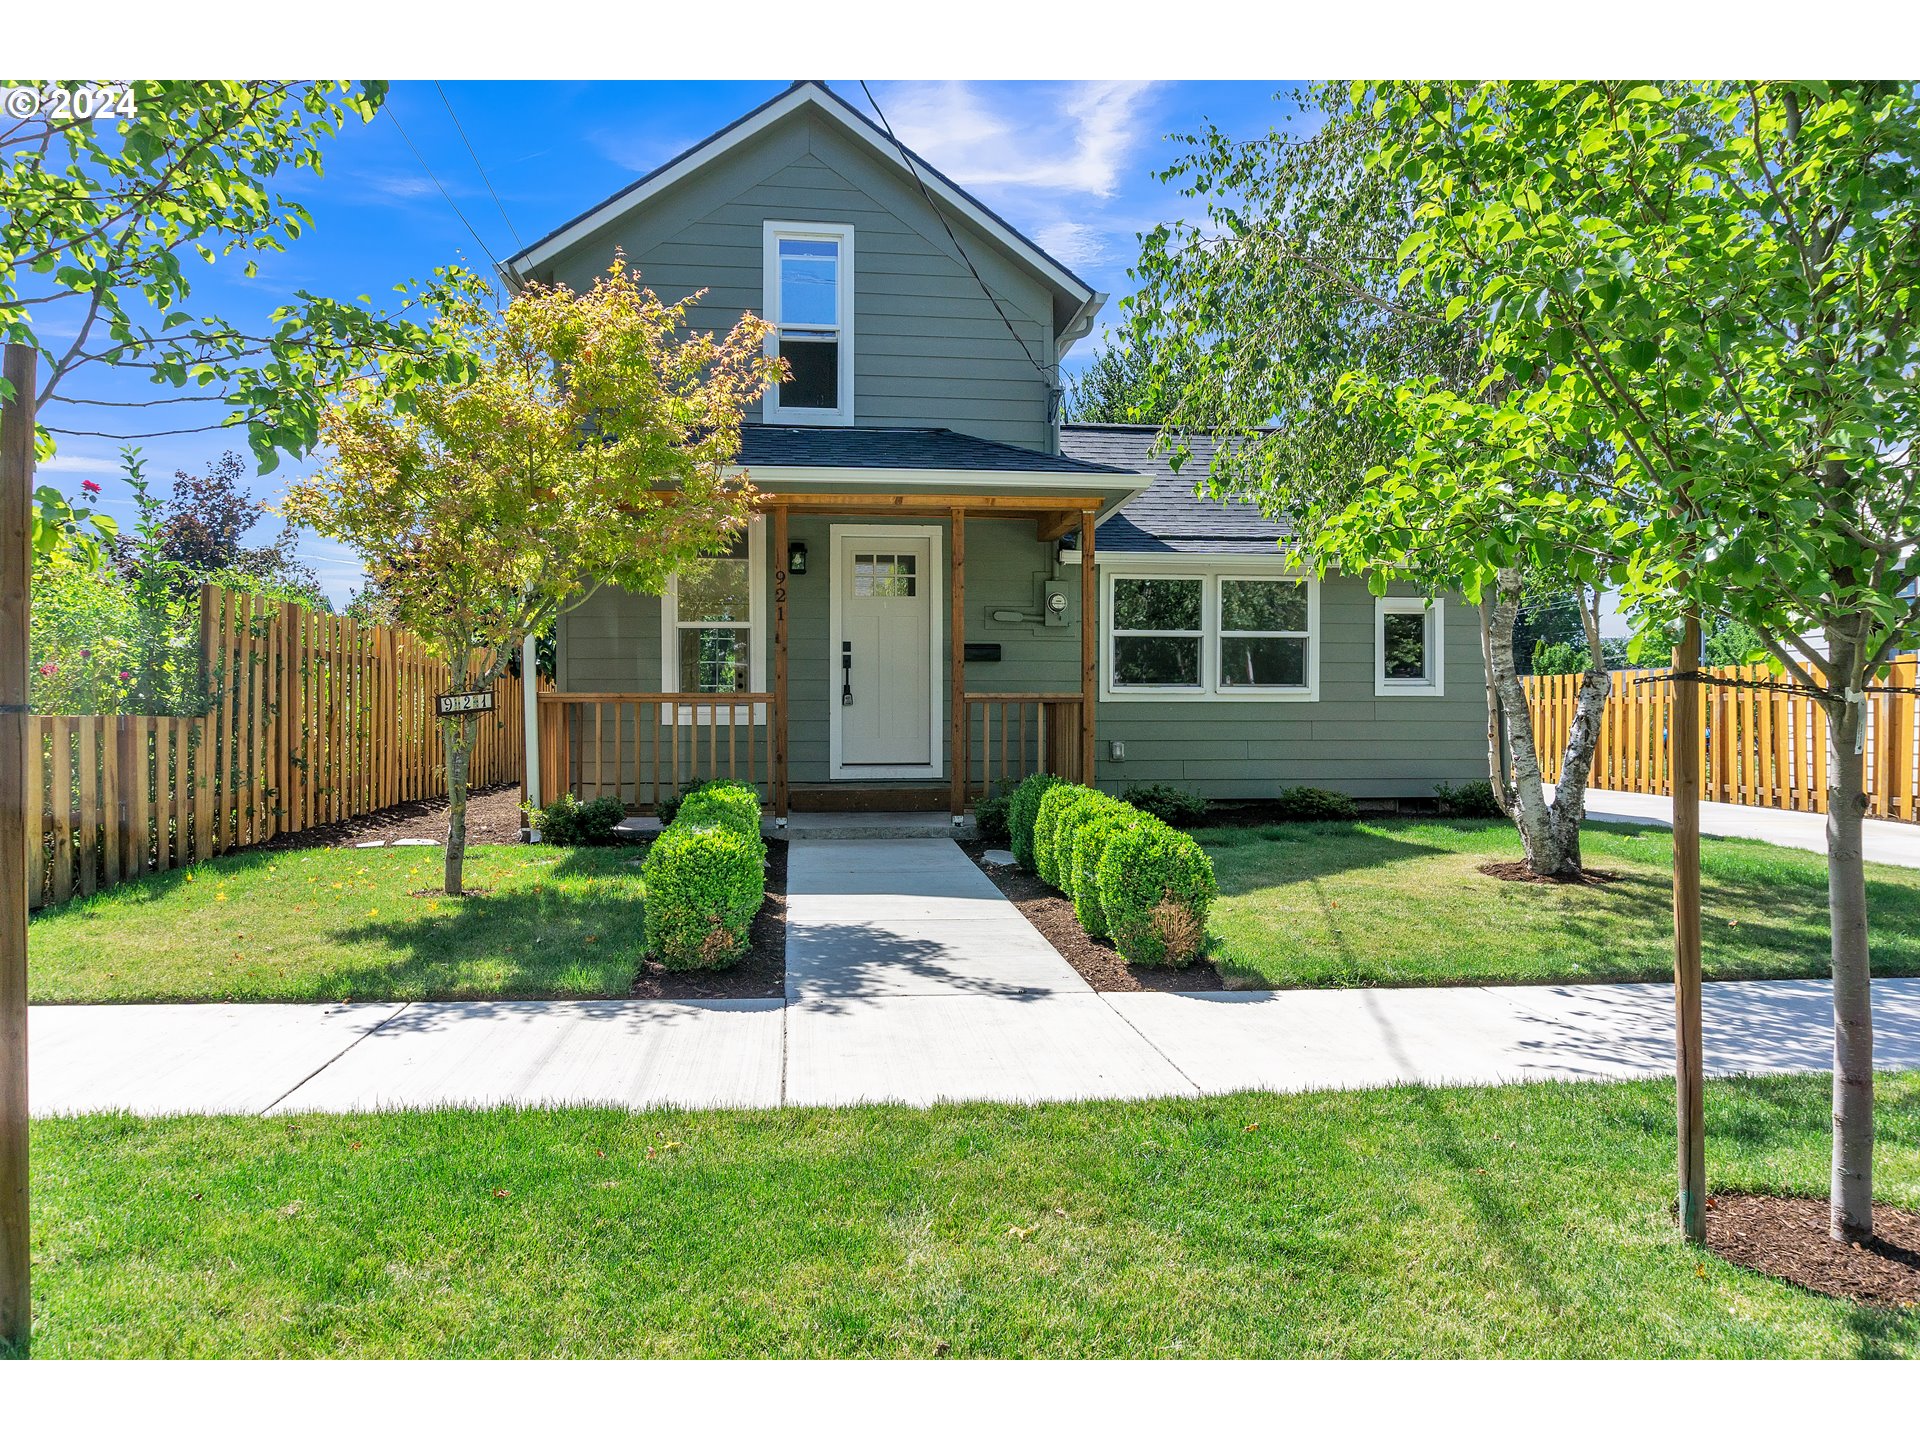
(1408, 657)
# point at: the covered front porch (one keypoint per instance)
(885, 683)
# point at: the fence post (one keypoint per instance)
(16, 574)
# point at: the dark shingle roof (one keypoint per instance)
(1168, 517)
(875, 447)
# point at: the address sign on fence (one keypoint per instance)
(470, 703)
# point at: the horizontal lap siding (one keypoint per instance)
(1349, 739)
(929, 348)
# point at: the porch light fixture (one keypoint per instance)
(797, 558)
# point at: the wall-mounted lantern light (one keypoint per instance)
(797, 558)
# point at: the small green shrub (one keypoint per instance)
(1474, 800)
(728, 804)
(1168, 802)
(669, 808)
(569, 822)
(1089, 845)
(1046, 824)
(1305, 802)
(1156, 886)
(1023, 808)
(990, 820)
(704, 885)
(1073, 815)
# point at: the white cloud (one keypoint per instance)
(1075, 140)
(1072, 242)
(90, 466)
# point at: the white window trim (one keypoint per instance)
(1209, 689)
(756, 641)
(1435, 612)
(773, 233)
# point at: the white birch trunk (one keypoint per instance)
(1851, 1205)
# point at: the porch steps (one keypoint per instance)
(876, 825)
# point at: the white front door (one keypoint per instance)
(885, 700)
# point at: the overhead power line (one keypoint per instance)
(906, 158)
(476, 163)
(394, 116)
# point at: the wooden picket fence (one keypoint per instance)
(314, 718)
(1759, 747)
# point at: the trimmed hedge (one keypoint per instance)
(1156, 887)
(1023, 808)
(728, 804)
(1169, 803)
(1089, 844)
(1308, 802)
(1072, 818)
(706, 879)
(1045, 822)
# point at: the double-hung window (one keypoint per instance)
(1203, 633)
(1407, 648)
(809, 304)
(711, 633)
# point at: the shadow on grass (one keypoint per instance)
(1304, 851)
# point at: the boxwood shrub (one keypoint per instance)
(1046, 824)
(1089, 845)
(728, 804)
(1022, 810)
(569, 822)
(1073, 815)
(1156, 886)
(704, 886)
(1309, 802)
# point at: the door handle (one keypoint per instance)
(846, 672)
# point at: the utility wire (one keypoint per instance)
(906, 158)
(393, 116)
(476, 163)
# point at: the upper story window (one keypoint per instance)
(1407, 646)
(809, 304)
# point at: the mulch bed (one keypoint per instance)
(1786, 1237)
(493, 818)
(760, 975)
(1517, 870)
(1051, 913)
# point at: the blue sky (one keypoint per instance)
(1069, 163)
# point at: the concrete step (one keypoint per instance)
(877, 825)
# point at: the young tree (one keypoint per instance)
(1120, 387)
(592, 443)
(103, 220)
(1250, 325)
(1717, 282)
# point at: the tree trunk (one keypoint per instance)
(1497, 770)
(1549, 833)
(1851, 1214)
(459, 738)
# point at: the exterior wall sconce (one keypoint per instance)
(797, 558)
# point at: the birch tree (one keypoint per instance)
(1717, 283)
(591, 442)
(1252, 322)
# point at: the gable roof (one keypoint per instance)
(1168, 517)
(803, 94)
(878, 447)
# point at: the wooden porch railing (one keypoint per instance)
(643, 748)
(1011, 736)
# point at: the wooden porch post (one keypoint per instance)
(957, 669)
(1088, 643)
(779, 736)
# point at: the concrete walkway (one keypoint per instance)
(1886, 842)
(911, 979)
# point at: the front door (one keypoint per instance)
(885, 700)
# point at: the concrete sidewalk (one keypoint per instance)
(1886, 842)
(1032, 1045)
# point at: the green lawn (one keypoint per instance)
(1402, 902)
(1529, 1220)
(340, 924)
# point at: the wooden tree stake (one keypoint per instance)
(1688, 1098)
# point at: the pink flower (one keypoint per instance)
(47, 667)
(92, 487)
(85, 654)
(126, 675)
